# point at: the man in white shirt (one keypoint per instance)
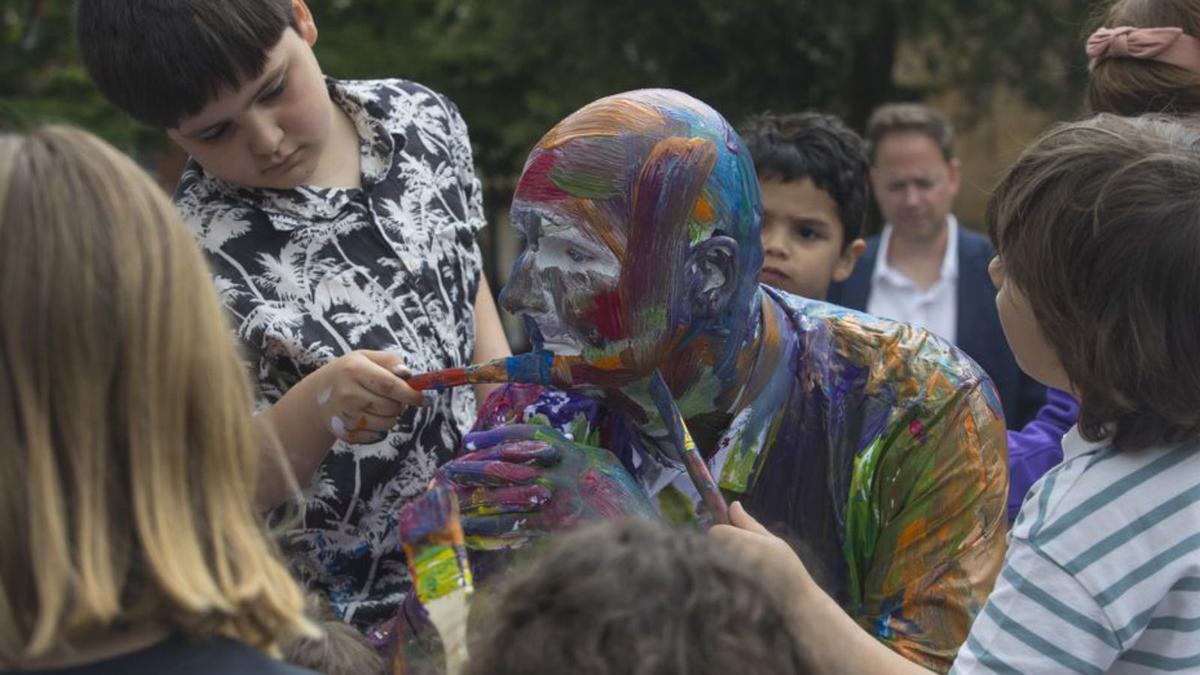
(923, 268)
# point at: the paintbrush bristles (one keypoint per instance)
(432, 537)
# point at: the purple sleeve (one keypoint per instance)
(1037, 448)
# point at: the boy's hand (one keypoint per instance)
(762, 551)
(522, 481)
(361, 394)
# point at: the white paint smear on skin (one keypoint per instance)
(323, 397)
(338, 427)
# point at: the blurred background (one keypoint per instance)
(1001, 69)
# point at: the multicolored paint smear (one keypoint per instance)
(875, 448)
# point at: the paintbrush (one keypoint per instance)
(537, 367)
(685, 446)
(437, 561)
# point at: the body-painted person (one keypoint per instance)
(876, 448)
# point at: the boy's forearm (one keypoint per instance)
(291, 431)
(490, 340)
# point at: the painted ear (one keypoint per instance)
(712, 274)
(664, 194)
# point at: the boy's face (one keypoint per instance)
(914, 183)
(1029, 346)
(272, 131)
(802, 239)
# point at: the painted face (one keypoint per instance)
(1029, 346)
(914, 183)
(271, 132)
(565, 282)
(802, 239)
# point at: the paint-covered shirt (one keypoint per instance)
(310, 274)
(886, 471)
(1103, 568)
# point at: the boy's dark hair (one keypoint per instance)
(634, 597)
(1098, 225)
(161, 61)
(1136, 86)
(818, 147)
(895, 118)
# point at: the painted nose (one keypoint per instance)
(523, 292)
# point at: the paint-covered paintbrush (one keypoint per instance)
(681, 438)
(437, 561)
(538, 367)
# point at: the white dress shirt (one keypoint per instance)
(895, 296)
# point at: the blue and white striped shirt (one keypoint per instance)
(1103, 569)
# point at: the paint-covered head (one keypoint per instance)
(641, 214)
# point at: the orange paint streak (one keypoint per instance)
(703, 211)
(604, 118)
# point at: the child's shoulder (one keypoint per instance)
(398, 103)
(1102, 503)
(203, 200)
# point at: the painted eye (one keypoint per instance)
(577, 255)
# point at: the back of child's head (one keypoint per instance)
(339, 650)
(128, 478)
(820, 148)
(1098, 224)
(1134, 86)
(164, 61)
(634, 597)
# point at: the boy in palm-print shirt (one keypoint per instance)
(339, 219)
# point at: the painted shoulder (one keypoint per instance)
(894, 355)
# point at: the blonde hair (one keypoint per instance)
(129, 464)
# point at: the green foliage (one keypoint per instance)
(41, 79)
(515, 67)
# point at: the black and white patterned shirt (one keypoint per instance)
(310, 274)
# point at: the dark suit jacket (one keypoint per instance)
(978, 323)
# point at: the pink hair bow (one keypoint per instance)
(1168, 45)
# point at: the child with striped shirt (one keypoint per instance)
(1097, 229)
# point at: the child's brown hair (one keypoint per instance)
(1128, 86)
(634, 597)
(1098, 224)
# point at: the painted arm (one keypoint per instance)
(1037, 448)
(925, 527)
(490, 341)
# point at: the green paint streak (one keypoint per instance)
(655, 317)
(437, 572)
(581, 183)
(735, 475)
(862, 518)
(675, 507)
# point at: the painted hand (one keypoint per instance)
(362, 393)
(521, 481)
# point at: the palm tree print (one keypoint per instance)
(312, 273)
